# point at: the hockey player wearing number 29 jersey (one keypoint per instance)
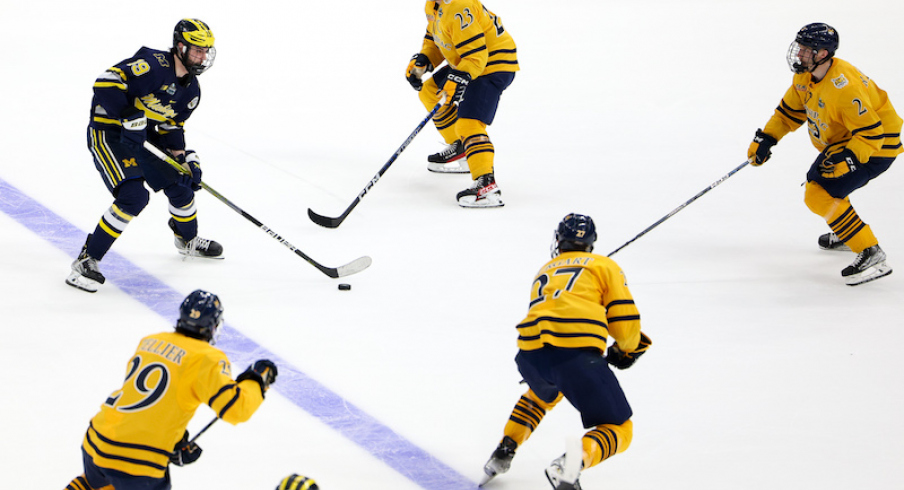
(141, 427)
(577, 300)
(854, 126)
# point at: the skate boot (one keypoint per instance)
(830, 241)
(85, 273)
(868, 266)
(449, 161)
(555, 473)
(483, 193)
(197, 246)
(500, 460)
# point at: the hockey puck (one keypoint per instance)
(345, 287)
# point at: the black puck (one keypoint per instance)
(345, 287)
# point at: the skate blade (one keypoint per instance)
(188, 256)
(490, 201)
(459, 166)
(875, 272)
(79, 281)
(842, 248)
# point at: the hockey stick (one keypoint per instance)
(352, 267)
(193, 439)
(679, 208)
(328, 222)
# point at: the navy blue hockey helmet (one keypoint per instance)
(575, 232)
(816, 36)
(194, 32)
(200, 316)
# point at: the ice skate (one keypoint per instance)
(449, 161)
(197, 246)
(500, 461)
(830, 241)
(85, 272)
(868, 266)
(556, 474)
(483, 193)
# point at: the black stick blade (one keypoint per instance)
(325, 221)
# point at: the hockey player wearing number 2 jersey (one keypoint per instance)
(578, 299)
(857, 132)
(147, 99)
(141, 427)
(482, 61)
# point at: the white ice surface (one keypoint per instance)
(766, 370)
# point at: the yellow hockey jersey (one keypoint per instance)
(468, 36)
(166, 380)
(844, 109)
(577, 300)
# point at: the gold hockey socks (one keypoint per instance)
(841, 218)
(606, 441)
(526, 416)
(79, 483)
(478, 147)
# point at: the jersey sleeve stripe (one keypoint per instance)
(230, 403)
(469, 41)
(473, 51)
(217, 394)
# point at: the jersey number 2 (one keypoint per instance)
(543, 279)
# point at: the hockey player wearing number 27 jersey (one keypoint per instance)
(854, 126)
(141, 427)
(577, 300)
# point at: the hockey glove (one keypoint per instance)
(761, 148)
(839, 164)
(623, 360)
(185, 452)
(134, 127)
(455, 86)
(418, 65)
(190, 161)
(263, 371)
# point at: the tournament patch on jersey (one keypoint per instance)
(840, 81)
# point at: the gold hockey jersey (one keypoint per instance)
(166, 380)
(577, 300)
(844, 109)
(468, 36)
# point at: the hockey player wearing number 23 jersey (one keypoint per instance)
(141, 427)
(854, 126)
(482, 61)
(577, 300)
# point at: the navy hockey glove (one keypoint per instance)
(262, 371)
(455, 86)
(190, 161)
(623, 360)
(185, 452)
(839, 164)
(761, 148)
(418, 65)
(134, 127)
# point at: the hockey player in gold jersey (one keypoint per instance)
(577, 300)
(141, 427)
(854, 126)
(482, 61)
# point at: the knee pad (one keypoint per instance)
(179, 196)
(132, 197)
(821, 203)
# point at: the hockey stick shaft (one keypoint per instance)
(209, 424)
(679, 208)
(328, 222)
(352, 267)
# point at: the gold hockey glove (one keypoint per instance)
(623, 360)
(455, 86)
(839, 164)
(418, 65)
(761, 148)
